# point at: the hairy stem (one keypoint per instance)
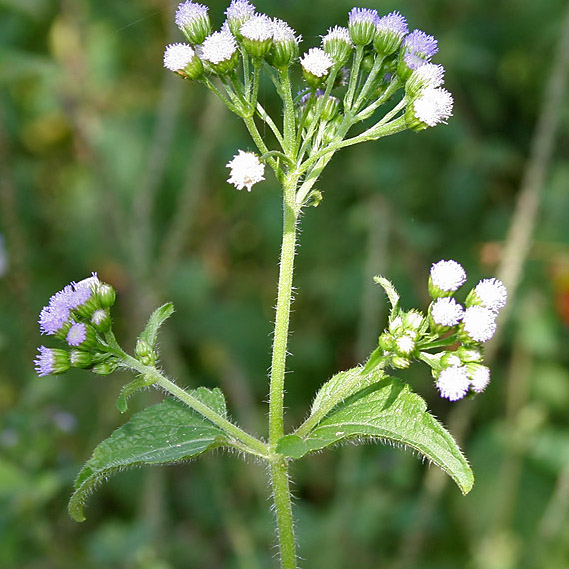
(282, 317)
(249, 443)
(283, 512)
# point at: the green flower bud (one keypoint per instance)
(338, 44)
(193, 20)
(105, 368)
(144, 352)
(81, 359)
(106, 295)
(362, 25)
(285, 45)
(101, 320)
(257, 36)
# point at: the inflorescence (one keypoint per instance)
(459, 329)
(359, 67)
(79, 316)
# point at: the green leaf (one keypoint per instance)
(342, 386)
(292, 446)
(139, 382)
(169, 432)
(157, 318)
(390, 291)
(390, 411)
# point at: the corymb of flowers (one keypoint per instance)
(370, 62)
(460, 330)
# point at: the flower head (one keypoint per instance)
(51, 361)
(479, 377)
(445, 278)
(479, 323)
(246, 170)
(182, 59)
(238, 12)
(362, 23)
(390, 31)
(285, 45)
(431, 107)
(446, 312)
(192, 18)
(316, 64)
(220, 51)
(421, 44)
(337, 43)
(56, 314)
(257, 35)
(427, 75)
(490, 293)
(453, 382)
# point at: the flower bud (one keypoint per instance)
(337, 43)
(219, 51)
(51, 361)
(362, 24)
(316, 64)
(105, 368)
(101, 320)
(330, 108)
(285, 45)
(238, 13)
(257, 36)
(106, 295)
(182, 59)
(81, 359)
(193, 19)
(144, 352)
(390, 31)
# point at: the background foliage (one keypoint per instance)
(110, 164)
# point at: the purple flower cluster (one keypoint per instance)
(58, 311)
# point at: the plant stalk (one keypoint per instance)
(283, 512)
(282, 316)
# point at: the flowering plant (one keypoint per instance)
(371, 63)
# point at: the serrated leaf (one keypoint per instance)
(390, 411)
(169, 432)
(345, 383)
(157, 318)
(390, 291)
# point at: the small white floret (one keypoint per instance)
(492, 294)
(453, 382)
(317, 62)
(246, 170)
(479, 377)
(448, 275)
(479, 323)
(259, 28)
(218, 47)
(446, 312)
(177, 56)
(433, 106)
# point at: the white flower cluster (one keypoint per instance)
(482, 303)
(246, 170)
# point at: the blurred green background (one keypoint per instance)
(108, 163)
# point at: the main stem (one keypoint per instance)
(282, 316)
(279, 468)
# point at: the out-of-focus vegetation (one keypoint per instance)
(110, 164)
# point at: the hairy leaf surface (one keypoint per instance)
(169, 432)
(390, 412)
